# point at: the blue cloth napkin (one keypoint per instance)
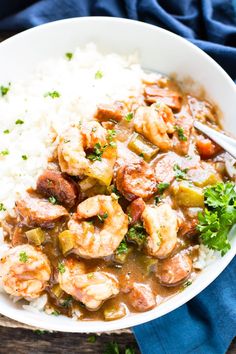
(206, 324)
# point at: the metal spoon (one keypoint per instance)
(228, 144)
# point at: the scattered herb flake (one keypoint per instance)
(129, 350)
(7, 131)
(23, 257)
(123, 247)
(69, 55)
(129, 116)
(157, 199)
(2, 207)
(180, 132)
(137, 234)
(61, 268)
(162, 187)
(40, 331)
(96, 155)
(67, 302)
(19, 122)
(24, 157)
(98, 75)
(102, 217)
(179, 173)
(4, 152)
(92, 339)
(111, 134)
(52, 200)
(112, 348)
(55, 313)
(4, 89)
(53, 94)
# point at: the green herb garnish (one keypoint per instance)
(67, 302)
(23, 257)
(19, 122)
(102, 217)
(4, 89)
(111, 134)
(98, 75)
(61, 268)
(162, 187)
(96, 155)
(180, 132)
(24, 157)
(92, 339)
(4, 152)
(2, 207)
(137, 234)
(7, 131)
(180, 174)
(129, 350)
(218, 217)
(55, 313)
(52, 200)
(112, 348)
(53, 94)
(123, 247)
(129, 116)
(69, 56)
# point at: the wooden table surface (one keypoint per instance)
(25, 341)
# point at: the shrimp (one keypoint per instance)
(98, 241)
(161, 225)
(92, 289)
(155, 123)
(87, 150)
(24, 271)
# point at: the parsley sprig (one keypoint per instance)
(218, 217)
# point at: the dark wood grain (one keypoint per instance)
(22, 341)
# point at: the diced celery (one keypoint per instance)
(35, 236)
(188, 196)
(142, 147)
(202, 178)
(148, 263)
(66, 240)
(114, 312)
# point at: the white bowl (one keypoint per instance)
(159, 50)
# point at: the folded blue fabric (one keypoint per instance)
(210, 24)
(206, 324)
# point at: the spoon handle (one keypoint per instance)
(227, 143)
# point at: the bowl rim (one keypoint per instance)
(137, 318)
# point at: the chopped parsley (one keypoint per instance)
(19, 122)
(157, 199)
(23, 257)
(40, 331)
(24, 157)
(187, 283)
(61, 268)
(67, 302)
(69, 55)
(129, 350)
(102, 217)
(218, 217)
(180, 174)
(98, 75)
(123, 247)
(2, 207)
(4, 89)
(55, 313)
(112, 348)
(111, 134)
(53, 94)
(96, 155)
(52, 200)
(162, 187)
(129, 116)
(92, 339)
(180, 132)
(137, 234)
(4, 152)
(7, 131)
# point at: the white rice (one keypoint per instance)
(206, 257)
(80, 92)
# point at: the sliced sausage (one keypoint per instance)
(33, 212)
(175, 270)
(56, 184)
(173, 99)
(135, 210)
(141, 297)
(114, 112)
(136, 180)
(188, 228)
